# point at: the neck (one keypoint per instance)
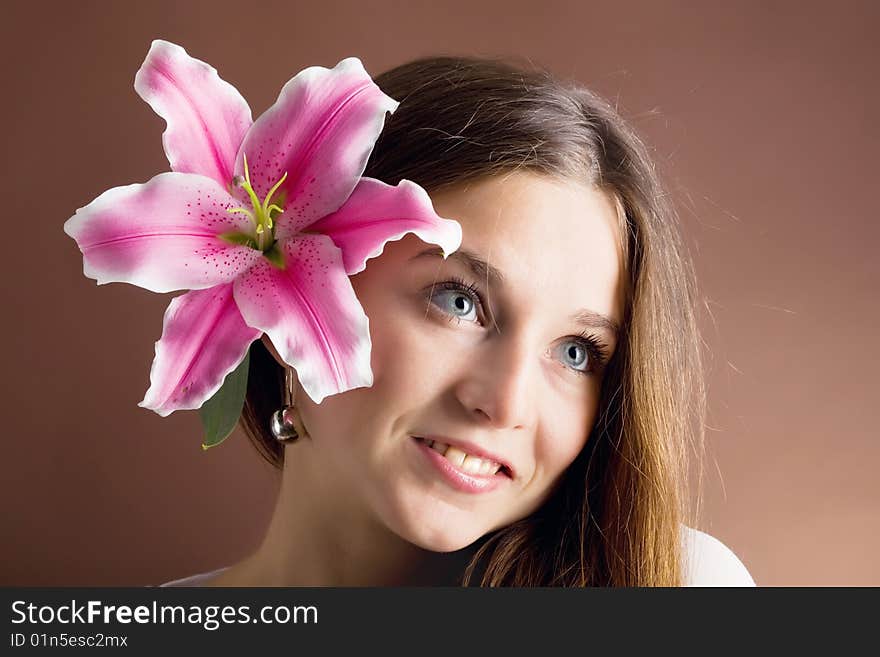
(323, 534)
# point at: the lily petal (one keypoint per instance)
(162, 235)
(207, 117)
(203, 339)
(377, 213)
(320, 131)
(311, 314)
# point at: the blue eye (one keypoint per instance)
(584, 354)
(576, 356)
(457, 302)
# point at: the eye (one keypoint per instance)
(575, 355)
(457, 300)
(584, 354)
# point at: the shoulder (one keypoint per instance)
(706, 561)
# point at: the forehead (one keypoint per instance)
(552, 239)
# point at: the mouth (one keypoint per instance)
(470, 464)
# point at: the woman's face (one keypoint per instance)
(503, 369)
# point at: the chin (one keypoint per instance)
(441, 534)
(444, 541)
(428, 521)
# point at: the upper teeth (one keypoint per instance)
(463, 461)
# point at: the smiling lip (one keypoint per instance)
(474, 450)
(458, 479)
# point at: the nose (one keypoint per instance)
(497, 384)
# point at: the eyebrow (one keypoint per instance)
(484, 271)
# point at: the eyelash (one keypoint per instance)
(596, 349)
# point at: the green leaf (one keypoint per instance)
(221, 412)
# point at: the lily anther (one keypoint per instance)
(261, 214)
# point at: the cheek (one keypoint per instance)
(563, 435)
(406, 373)
(411, 355)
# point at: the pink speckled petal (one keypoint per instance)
(162, 235)
(320, 131)
(311, 314)
(377, 213)
(206, 116)
(203, 339)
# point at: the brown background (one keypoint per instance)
(762, 117)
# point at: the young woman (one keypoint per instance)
(535, 394)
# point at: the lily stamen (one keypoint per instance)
(261, 212)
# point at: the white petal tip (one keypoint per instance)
(161, 412)
(351, 62)
(157, 44)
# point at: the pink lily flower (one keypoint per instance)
(262, 221)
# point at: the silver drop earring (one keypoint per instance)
(281, 424)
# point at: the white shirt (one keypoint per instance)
(706, 561)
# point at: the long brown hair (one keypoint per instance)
(615, 517)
